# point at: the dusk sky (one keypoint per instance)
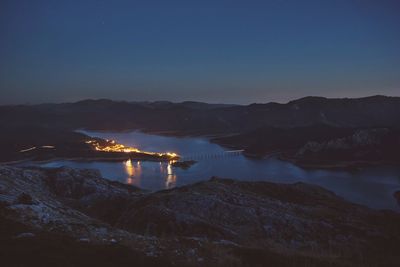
(212, 51)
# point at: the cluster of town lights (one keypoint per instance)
(112, 146)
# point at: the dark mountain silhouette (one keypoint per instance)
(259, 128)
(202, 118)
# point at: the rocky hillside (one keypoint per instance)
(369, 145)
(219, 222)
(321, 145)
(269, 140)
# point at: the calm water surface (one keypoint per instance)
(373, 186)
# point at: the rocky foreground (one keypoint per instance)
(67, 217)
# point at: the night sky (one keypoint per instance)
(213, 51)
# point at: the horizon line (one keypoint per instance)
(194, 101)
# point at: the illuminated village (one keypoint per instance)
(134, 171)
(112, 146)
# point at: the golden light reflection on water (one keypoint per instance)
(134, 172)
(170, 181)
(170, 176)
(129, 168)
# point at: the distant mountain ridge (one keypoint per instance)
(202, 118)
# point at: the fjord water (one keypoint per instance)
(373, 186)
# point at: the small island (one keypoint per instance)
(183, 164)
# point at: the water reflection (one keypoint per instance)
(373, 186)
(129, 168)
(170, 181)
(134, 172)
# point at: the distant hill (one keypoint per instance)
(258, 128)
(202, 118)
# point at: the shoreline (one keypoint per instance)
(83, 159)
(279, 154)
(354, 165)
(338, 165)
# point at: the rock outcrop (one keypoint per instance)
(32, 197)
(369, 145)
(220, 222)
(295, 217)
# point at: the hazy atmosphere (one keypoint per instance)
(211, 51)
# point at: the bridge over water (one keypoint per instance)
(224, 154)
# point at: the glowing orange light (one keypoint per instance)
(112, 146)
